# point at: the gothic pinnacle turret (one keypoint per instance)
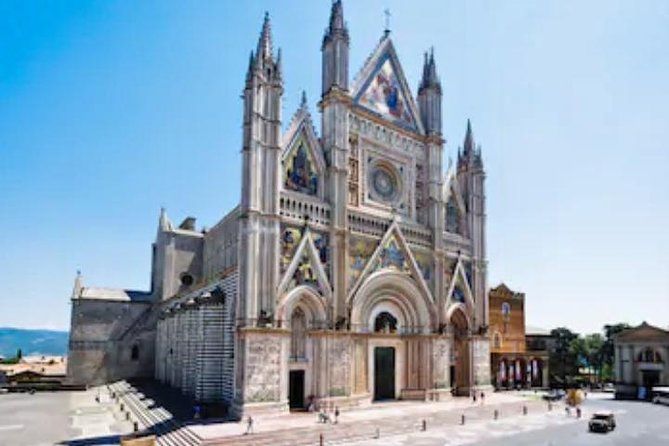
(263, 61)
(470, 155)
(429, 96)
(335, 50)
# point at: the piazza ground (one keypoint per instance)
(75, 418)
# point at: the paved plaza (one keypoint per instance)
(48, 418)
(640, 424)
(75, 418)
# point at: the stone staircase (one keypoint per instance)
(151, 417)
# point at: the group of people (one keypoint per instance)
(324, 416)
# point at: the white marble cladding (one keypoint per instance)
(385, 135)
(364, 223)
(295, 207)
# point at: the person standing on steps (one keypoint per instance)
(249, 426)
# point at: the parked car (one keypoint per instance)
(602, 421)
(554, 395)
(608, 387)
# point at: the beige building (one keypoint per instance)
(353, 270)
(641, 359)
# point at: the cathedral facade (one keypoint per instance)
(353, 269)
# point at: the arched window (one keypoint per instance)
(506, 310)
(298, 326)
(385, 323)
(649, 355)
(134, 353)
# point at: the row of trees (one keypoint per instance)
(572, 353)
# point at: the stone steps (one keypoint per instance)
(156, 420)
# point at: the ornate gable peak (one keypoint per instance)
(307, 248)
(402, 110)
(394, 233)
(302, 124)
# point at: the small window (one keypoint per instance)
(506, 309)
(186, 279)
(134, 353)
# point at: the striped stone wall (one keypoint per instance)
(195, 343)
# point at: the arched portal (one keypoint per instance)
(461, 360)
(301, 311)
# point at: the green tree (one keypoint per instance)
(562, 359)
(608, 353)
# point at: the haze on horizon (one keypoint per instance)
(109, 111)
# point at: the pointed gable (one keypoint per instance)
(308, 265)
(393, 253)
(303, 164)
(382, 88)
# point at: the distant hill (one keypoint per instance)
(32, 342)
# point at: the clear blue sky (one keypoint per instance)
(110, 110)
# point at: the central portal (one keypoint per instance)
(384, 373)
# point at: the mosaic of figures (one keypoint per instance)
(360, 251)
(384, 95)
(392, 256)
(290, 240)
(424, 261)
(300, 171)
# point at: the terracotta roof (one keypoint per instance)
(643, 333)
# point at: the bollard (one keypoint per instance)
(127, 415)
(424, 425)
(496, 414)
(122, 407)
(524, 410)
(378, 434)
(320, 441)
(462, 419)
(135, 426)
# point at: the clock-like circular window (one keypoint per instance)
(384, 183)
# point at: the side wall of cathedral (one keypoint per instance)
(110, 340)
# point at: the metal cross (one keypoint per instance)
(387, 14)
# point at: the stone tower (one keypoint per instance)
(259, 224)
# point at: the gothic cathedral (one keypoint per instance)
(353, 269)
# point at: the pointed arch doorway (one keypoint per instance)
(461, 358)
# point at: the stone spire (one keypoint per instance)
(430, 78)
(470, 155)
(303, 101)
(78, 286)
(264, 50)
(263, 61)
(335, 50)
(429, 95)
(164, 223)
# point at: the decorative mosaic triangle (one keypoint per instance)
(383, 94)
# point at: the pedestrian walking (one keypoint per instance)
(578, 412)
(249, 426)
(567, 411)
(336, 415)
(482, 398)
